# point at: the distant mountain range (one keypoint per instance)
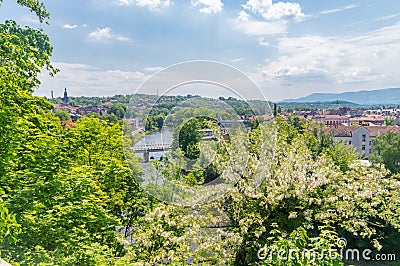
(374, 97)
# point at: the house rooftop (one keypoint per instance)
(347, 131)
(379, 130)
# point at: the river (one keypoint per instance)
(159, 137)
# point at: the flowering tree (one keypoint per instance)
(308, 193)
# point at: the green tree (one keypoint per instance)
(63, 115)
(23, 53)
(68, 189)
(69, 198)
(387, 151)
(390, 120)
(112, 118)
(35, 6)
(308, 198)
(71, 189)
(188, 138)
(118, 109)
(9, 228)
(301, 188)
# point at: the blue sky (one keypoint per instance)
(290, 49)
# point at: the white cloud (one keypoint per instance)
(256, 27)
(122, 38)
(126, 2)
(279, 11)
(101, 34)
(359, 74)
(258, 6)
(104, 34)
(237, 60)
(336, 10)
(243, 16)
(385, 36)
(368, 60)
(153, 69)
(208, 6)
(68, 26)
(263, 42)
(81, 79)
(153, 5)
(388, 17)
(274, 18)
(30, 19)
(285, 11)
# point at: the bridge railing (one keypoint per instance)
(151, 147)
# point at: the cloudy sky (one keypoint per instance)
(290, 49)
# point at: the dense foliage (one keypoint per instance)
(313, 191)
(69, 197)
(65, 192)
(387, 151)
(62, 115)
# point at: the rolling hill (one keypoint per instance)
(364, 97)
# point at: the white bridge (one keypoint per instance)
(151, 147)
(146, 149)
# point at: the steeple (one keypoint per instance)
(65, 99)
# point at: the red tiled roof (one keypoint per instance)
(338, 117)
(374, 130)
(68, 124)
(379, 130)
(268, 117)
(338, 131)
(368, 118)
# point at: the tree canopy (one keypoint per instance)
(387, 151)
(70, 195)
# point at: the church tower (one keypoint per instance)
(65, 98)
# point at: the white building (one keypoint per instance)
(360, 136)
(333, 120)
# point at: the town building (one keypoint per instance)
(370, 120)
(65, 98)
(360, 136)
(333, 120)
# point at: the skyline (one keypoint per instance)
(290, 49)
